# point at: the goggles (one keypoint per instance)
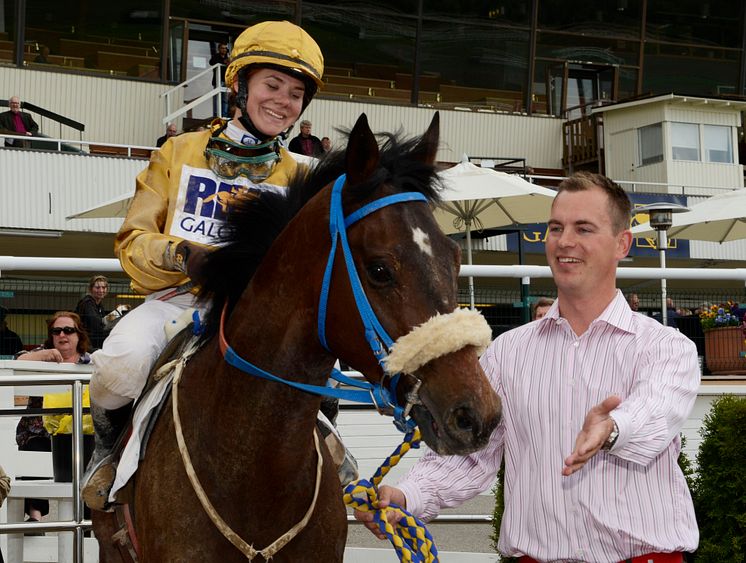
(230, 160)
(66, 329)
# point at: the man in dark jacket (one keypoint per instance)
(10, 342)
(17, 122)
(305, 143)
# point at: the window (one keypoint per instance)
(717, 144)
(651, 144)
(685, 141)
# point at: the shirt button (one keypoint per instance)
(576, 343)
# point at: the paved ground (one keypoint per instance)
(473, 537)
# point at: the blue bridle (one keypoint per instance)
(382, 397)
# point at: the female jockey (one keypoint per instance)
(178, 211)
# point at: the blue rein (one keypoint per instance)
(383, 398)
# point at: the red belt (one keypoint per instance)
(676, 557)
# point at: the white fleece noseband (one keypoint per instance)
(436, 337)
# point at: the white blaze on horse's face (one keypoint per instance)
(422, 239)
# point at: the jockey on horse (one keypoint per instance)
(178, 211)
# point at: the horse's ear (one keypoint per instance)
(362, 156)
(427, 147)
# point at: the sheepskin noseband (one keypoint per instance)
(440, 335)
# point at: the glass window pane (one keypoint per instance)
(685, 141)
(585, 48)
(124, 41)
(650, 140)
(242, 12)
(620, 18)
(506, 11)
(717, 140)
(477, 64)
(690, 70)
(695, 21)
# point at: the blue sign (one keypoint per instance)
(8, 294)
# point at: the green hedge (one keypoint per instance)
(720, 487)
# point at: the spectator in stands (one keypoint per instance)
(170, 132)
(67, 342)
(275, 70)
(593, 396)
(43, 56)
(634, 302)
(17, 122)
(10, 342)
(221, 57)
(305, 143)
(326, 144)
(541, 307)
(91, 310)
(672, 313)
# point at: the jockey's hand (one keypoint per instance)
(190, 258)
(596, 429)
(386, 496)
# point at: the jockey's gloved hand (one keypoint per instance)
(189, 257)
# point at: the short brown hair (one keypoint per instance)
(540, 302)
(97, 278)
(620, 208)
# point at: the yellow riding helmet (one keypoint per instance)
(278, 43)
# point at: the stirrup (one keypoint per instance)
(97, 483)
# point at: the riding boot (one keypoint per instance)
(109, 426)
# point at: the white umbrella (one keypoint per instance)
(116, 207)
(720, 218)
(478, 198)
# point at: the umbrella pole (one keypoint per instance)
(468, 261)
(662, 244)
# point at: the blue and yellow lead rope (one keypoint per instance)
(411, 540)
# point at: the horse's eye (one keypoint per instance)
(379, 273)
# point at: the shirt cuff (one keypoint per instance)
(414, 498)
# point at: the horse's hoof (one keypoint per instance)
(95, 491)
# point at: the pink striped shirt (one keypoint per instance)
(626, 502)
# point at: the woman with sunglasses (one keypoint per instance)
(67, 342)
(179, 209)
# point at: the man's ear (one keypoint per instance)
(624, 243)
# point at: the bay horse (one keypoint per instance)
(252, 441)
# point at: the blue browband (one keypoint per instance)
(383, 398)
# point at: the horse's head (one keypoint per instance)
(408, 270)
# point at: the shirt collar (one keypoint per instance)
(617, 314)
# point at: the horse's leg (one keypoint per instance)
(104, 527)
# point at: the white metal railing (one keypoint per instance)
(77, 143)
(68, 376)
(524, 272)
(172, 113)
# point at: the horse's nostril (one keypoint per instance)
(464, 419)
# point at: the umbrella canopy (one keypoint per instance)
(720, 218)
(478, 198)
(116, 207)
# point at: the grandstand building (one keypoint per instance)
(649, 92)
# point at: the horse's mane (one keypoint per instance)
(255, 222)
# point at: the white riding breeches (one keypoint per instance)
(122, 366)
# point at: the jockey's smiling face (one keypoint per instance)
(275, 100)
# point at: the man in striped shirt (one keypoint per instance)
(594, 397)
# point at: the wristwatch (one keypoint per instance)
(611, 440)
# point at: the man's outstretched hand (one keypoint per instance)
(596, 429)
